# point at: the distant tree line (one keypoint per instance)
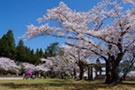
(22, 53)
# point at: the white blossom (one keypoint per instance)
(28, 66)
(8, 65)
(46, 66)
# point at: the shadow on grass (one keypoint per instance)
(77, 85)
(130, 84)
(56, 83)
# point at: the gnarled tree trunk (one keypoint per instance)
(81, 67)
(112, 74)
(108, 74)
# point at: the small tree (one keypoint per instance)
(78, 57)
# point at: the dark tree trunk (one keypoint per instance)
(115, 64)
(81, 67)
(81, 72)
(112, 64)
(74, 73)
(114, 74)
(108, 73)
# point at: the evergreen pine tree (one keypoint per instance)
(4, 47)
(41, 53)
(21, 54)
(7, 45)
(37, 52)
(11, 43)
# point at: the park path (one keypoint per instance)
(11, 78)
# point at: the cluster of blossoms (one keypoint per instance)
(46, 66)
(41, 67)
(8, 65)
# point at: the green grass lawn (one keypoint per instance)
(59, 84)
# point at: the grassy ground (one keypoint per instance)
(59, 84)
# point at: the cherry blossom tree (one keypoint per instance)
(73, 60)
(8, 65)
(78, 57)
(27, 66)
(46, 66)
(107, 30)
(62, 65)
(40, 69)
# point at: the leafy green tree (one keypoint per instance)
(32, 52)
(11, 43)
(37, 52)
(4, 47)
(25, 54)
(7, 45)
(52, 50)
(21, 54)
(35, 59)
(28, 55)
(41, 53)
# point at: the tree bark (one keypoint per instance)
(74, 73)
(114, 75)
(81, 67)
(81, 72)
(108, 74)
(112, 64)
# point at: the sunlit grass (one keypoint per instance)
(60, 84)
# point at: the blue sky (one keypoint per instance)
(17, 14)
